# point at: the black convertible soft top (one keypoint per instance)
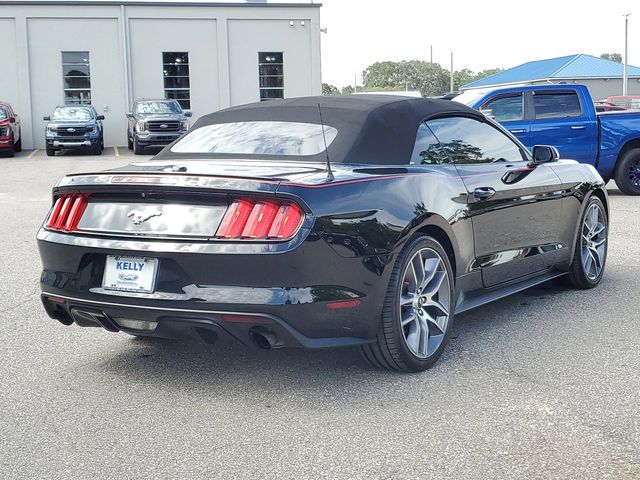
(372, 129)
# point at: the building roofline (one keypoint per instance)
(161, 3)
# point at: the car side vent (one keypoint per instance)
(67, 212)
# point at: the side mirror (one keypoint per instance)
(100, 117)
(187, 113)
(12, 120)
(129, 115)
(544, 154)
(47, 118)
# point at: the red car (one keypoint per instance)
(10, 139)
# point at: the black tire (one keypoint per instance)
(96, 149)
(50, 152)
(627, 174)
(18, 145)
(101, 143)
(11, 151)
(578, 277)
(390, 351)
(137, 148)
(129, 142)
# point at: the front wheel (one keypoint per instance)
(627, 174)
(590, 254)
(417, 315)
(18, 145)
(129, 141)
(137, 148)
(50, 152)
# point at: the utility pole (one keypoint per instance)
(625, 77)
(355, 82)
(451, 82)
(430, 53)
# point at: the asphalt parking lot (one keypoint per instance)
(544, 384)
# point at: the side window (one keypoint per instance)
(556, 105)
(427, 150)
(469, 141)
(506, 109)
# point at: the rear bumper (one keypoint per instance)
(258, 329)
(307, 296)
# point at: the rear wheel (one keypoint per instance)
(590, 254)
(627, 174)
(417, 314)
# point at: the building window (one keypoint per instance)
(175, 66)
(76, 78)
(271, 72)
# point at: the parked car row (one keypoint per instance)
(151, 123)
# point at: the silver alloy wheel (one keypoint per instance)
(594, 242)
(425, 301)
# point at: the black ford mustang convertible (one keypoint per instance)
(321, 222)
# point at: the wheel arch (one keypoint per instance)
(602, 196)
(440, 230)
(632, 144)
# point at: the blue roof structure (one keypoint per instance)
(569, 67)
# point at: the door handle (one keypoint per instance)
(484, 193)
(518, 130)
(578, 127)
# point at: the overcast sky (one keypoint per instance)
(482, 34)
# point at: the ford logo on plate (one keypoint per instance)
(127, 277)
(164, 125)
(70, 130)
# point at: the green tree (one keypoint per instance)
(328, 89)
(614, 57)
(347, 90)
(428, 78)
(462, 77)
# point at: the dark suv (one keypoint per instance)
(10, 138)
(155, 123)
(74, 127)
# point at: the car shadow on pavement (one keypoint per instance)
(222, 367)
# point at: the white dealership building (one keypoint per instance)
(207, 55)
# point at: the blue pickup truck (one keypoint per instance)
(565, 116)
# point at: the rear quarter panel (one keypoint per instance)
(617, 129)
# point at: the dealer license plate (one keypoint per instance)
(130, 274)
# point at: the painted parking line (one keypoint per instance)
(33, 153)
(116, 151)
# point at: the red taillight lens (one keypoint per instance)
(67, 212)
(260, 219)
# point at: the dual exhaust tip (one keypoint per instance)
(263, 339)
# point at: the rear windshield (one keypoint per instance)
(79, 114)
(158, 107)
(257, 138)
(3, 114)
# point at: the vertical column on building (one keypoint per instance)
(24, 81)
(224, 71)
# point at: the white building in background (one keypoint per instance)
(207, 55)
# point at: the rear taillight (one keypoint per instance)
(67, 212)
(260, 219)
